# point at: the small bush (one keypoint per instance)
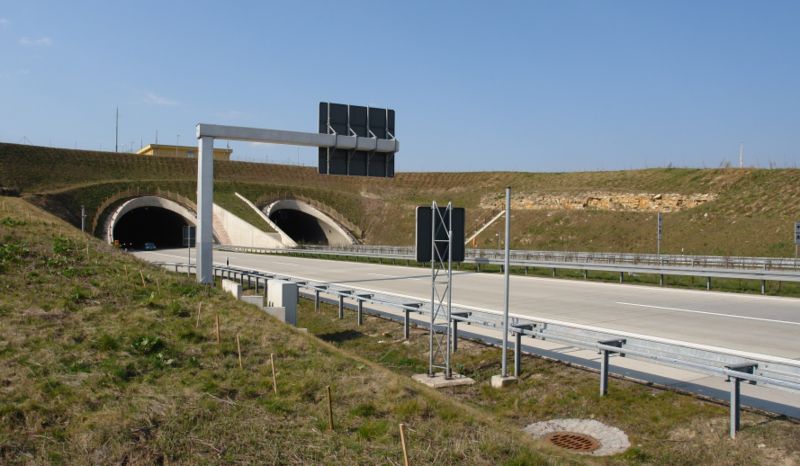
(146, 345)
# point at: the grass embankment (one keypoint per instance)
(753, 213)
(102, 360)
(664, 427)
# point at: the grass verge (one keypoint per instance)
(664, 427)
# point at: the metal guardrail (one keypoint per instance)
(571, 257)
(735, 365)
(777, 269)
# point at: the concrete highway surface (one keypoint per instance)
(750, 323)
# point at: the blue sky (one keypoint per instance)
(531, 86)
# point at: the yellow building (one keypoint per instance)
(167, 150)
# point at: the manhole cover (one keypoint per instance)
(573, 441)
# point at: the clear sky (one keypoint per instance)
(531, 85)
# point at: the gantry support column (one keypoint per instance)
(205, 203)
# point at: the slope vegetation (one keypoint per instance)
(707, 211)
(107, 360)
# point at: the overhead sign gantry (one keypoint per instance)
(355, 143)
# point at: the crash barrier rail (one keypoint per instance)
(528, 259)
(667, 260)
(736, 366)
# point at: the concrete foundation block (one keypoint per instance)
(439, 381)
(232, 287)
(498, 381)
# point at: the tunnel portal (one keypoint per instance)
(150, 224)
(300, 226)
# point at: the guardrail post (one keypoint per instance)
(316, 300)
(360, 314)
(763, 287)
(604, 362)
(526, 270)
(585, 274)
(518, 329)
(454, 317)
(176, 268)
(661, 279)
(407, 318)
(708, 283)
(746, 368)
(341, 306)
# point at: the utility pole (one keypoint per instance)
(116, 133)
(504, 379)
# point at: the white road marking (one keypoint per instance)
(761, 319)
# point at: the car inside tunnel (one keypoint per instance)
(150, 225)
(300, 226)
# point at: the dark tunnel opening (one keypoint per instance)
(300, 226)
(150, 224)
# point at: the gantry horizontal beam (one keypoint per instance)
(297, 138)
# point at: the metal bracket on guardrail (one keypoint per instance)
(518, 330)
(605, 350)
(361, 297)
(455, 317)
(746, 368)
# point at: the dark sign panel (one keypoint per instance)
(425, 219)
(353, 120)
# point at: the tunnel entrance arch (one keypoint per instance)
(306, 224)
(157, 225)
(148, 219)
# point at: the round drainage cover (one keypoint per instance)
(582, 436)
(573, 441)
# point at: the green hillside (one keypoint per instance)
(105, 360)
(747, 212)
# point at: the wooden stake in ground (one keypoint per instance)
(403, 442)
(142, 275)
(199, 306)
(239, 350)
(274, 380)
(330, 409)
(217, 327)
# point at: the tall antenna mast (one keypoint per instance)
(116, 133)
(741, 155)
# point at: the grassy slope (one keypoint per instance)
(753, 214)
(98, 367)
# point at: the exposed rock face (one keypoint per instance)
(640, 202)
